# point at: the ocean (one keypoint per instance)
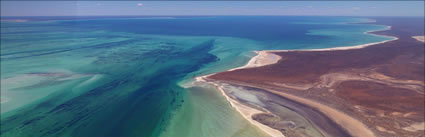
(133, 76)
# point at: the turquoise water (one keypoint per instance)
(132, 77)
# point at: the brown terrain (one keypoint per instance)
(382, 85)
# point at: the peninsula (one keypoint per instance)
(371, 90)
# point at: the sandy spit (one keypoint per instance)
(261, 59)
(419, 38)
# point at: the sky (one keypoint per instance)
(154, 8)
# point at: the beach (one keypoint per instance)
(419, 38)
(347, 47)
(246, 111)
(312, 89)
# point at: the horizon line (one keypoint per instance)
(206, 15)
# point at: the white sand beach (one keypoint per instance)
(419, 38)
(348, 47)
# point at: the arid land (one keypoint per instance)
(377, 90)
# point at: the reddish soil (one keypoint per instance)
(385, 104)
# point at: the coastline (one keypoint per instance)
(264, 57)
(348, 47)
(267, 57)
(419, 38)
(246, 111)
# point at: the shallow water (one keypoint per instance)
(207, 114)
(132, 77)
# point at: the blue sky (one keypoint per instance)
(321, 8)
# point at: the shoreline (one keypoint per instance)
(246, 111)
(270, 58)
(266, 57)
(419, 38)
(348, 47)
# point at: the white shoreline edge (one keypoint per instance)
(349, 47)
(419, 38)
(256, 61)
